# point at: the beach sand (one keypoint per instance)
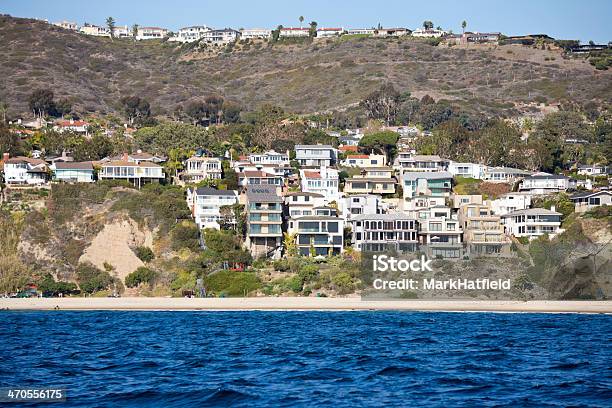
(303, 303)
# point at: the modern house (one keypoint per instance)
(438, 183)
(532, 222)
(200, 168)
(205, 204)
(324, 181)
(504, 174)
(300, 204)
(459, 200)
(75, 172)
(467, 170)
(544, 183)
(292, 32)
(220, 37)
(392, 32)
(270, 157)
(191, 34)
(90, 29)
(24, 170)
(589, 200)
(360, 31)
(481, 38)
(364, 160)
(359, 204)
(406, 161)
(510, 202)
(428, 33)
(384, 232)
(315, 155)
(440, 233)
(483, 232)
(122, 32)
(593, 170)
(151, 33)
(252, 33)
(372, 180)
(137, 174)
(67, 25)
(258, 177)
(318, 235)
(264, 210)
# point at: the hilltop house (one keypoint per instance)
(483, 232)
(252, 33)
(289, 32)
(136, 173)
(327, 32)
(192, 33)
(79, 172)
(360, 31)
(428, 33)
(504, 174)
(264, 210)
(200, 168)
(467, 170)
(320, 234)
(24, 170)
(364, 160)
(221, 37)
(384, 232)
(205, 204)
(532, 222)
(481, 38)
(67, 25)
(315, 155)
(90, 29)
(151, 33)
(544, 183)
(299, 204)
(392, 32)
(122, 32)
(589, 200)
(324, 181)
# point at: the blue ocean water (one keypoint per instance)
(167, 359)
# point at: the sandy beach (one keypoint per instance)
(303, 303)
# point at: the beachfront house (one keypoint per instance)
(483, 232)
(73, 172)
(264, 210)
(440, 233)
(384, 232)
(532, 222)
(318, 235)
(138, 174)
(205, 204)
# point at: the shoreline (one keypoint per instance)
(305, 304)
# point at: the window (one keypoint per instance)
(332, 226)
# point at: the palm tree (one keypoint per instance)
(135, 31)
(301, 20)
(110, 24)
(463, 25)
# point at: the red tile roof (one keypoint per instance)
(348, 148)
(357, 156)
(67, 123)
(312, 174)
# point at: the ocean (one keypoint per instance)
(171, 359)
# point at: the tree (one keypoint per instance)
(61, 107)
(91, 279)
(231, 112)
(136, 109)
(110, 24)
(98, 147)
(196, 111)
(432, 115)
(276, 33)
(134, 31)
(140, 275)
(463, 25)
(385, 142)
(428, 25)
(162, 138)
(144, 253)
(41, 102)
(9, 141)
(382, 103)
(312, 32)
(301, 20)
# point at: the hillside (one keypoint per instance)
(94, 73)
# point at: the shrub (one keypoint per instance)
(281, 265)
(145, 254)
(91, 279)
(232, 283)
(185, 235)
(140, 275)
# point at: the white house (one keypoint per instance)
(200, 168)
(270, 157)
(220, 37)
(428, 33)
(532, 222)
(504, 174)
(205, 204)
(151, 33)
(300, 204)
(294, 32)
(364, 160)
(440, 233)
(593, 170)
(587, 201)
(192, 33)
(384, 232)
(510, 202)
(67, 25)
(77, 126)
(90, 29)
(354, 205)
(24, 170)
(122, 32)
(468, 170)
(360, 31)
(323, 181)
(392, 32)
(327, 32)
(318, 235)
(134, 173)
(406, 161)
(315, 155)
(252, 33)
(544, 183)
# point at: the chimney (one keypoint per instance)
(5, 157)
(125, 157)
